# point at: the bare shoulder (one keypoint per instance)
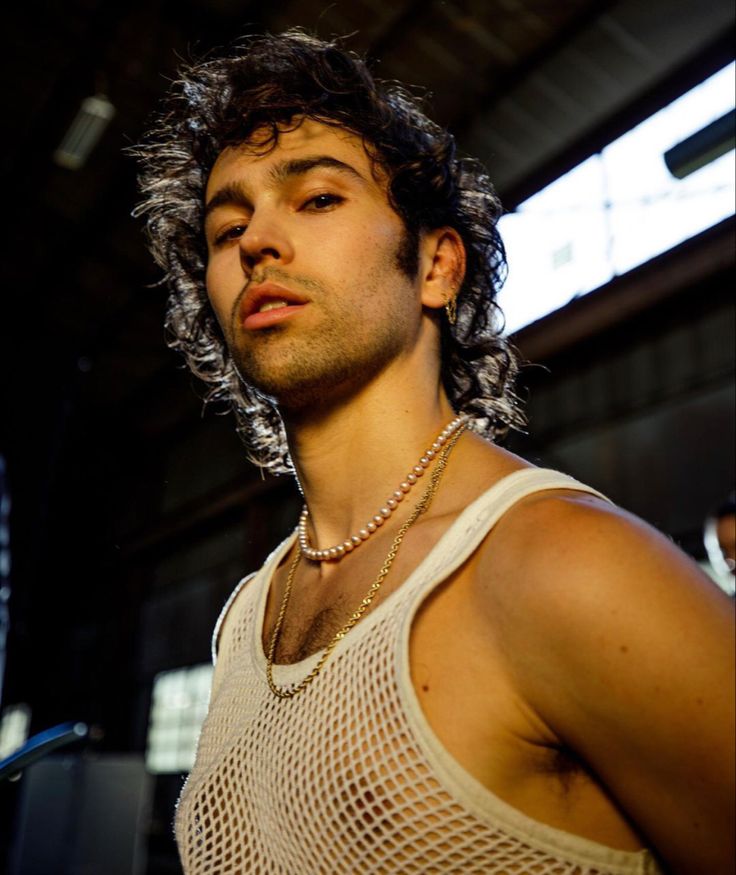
(576, 549)
(589, 578)
(624, 649)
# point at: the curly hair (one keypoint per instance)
(267, 83)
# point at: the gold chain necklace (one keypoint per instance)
(421, 507)
(335, 553)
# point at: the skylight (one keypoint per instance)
(617, 210)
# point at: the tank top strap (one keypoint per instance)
(264, 574)
(466, 534)
(223, 614)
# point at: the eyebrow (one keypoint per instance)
(235, 193)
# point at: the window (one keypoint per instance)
(14, 726)
(618, 209)
(178, 708)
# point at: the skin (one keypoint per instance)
(586, 681)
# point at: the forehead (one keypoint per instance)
(257, 155)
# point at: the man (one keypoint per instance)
(460, 662)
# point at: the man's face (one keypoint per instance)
(304, 267)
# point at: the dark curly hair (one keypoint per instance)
(269, 82)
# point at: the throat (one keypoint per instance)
(423, 475)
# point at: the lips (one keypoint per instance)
(269, 303)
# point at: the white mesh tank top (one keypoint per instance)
(348, 777)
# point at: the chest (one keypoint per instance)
(308, 604)
(466, 690)
(457, 672)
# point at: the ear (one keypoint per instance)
(441, 266)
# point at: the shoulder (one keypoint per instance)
(574, 544)
(575, 570)
(224, 621)
(624, 649)
(227, 636)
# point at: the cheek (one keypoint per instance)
(370, 255)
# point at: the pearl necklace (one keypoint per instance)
(424, 502)
(332, 554)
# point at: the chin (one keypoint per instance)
(304, 390)
(299, 397)
(321, 373)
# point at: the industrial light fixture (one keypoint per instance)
(93, 117)
(702, 147)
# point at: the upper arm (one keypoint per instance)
(625, 650)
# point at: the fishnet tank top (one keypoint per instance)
(348, 777)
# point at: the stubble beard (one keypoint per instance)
(333, 361)
(307, 372)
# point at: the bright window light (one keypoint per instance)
(14, 726)
(617, 210)
(178, 708)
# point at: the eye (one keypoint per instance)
(231, 233)
(322, 201)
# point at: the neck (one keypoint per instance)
(351, 458)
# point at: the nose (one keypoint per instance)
(265, 239)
